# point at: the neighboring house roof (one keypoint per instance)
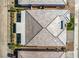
(43, 27)
(42, 2)
(40, 54)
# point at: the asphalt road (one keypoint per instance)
(3, 28)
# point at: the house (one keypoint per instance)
(30, 3)
(37, 53)
(42, 27)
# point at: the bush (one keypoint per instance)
(70, 25)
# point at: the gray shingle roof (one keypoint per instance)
(51, 33)
(39, 2)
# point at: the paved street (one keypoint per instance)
(3, 28)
